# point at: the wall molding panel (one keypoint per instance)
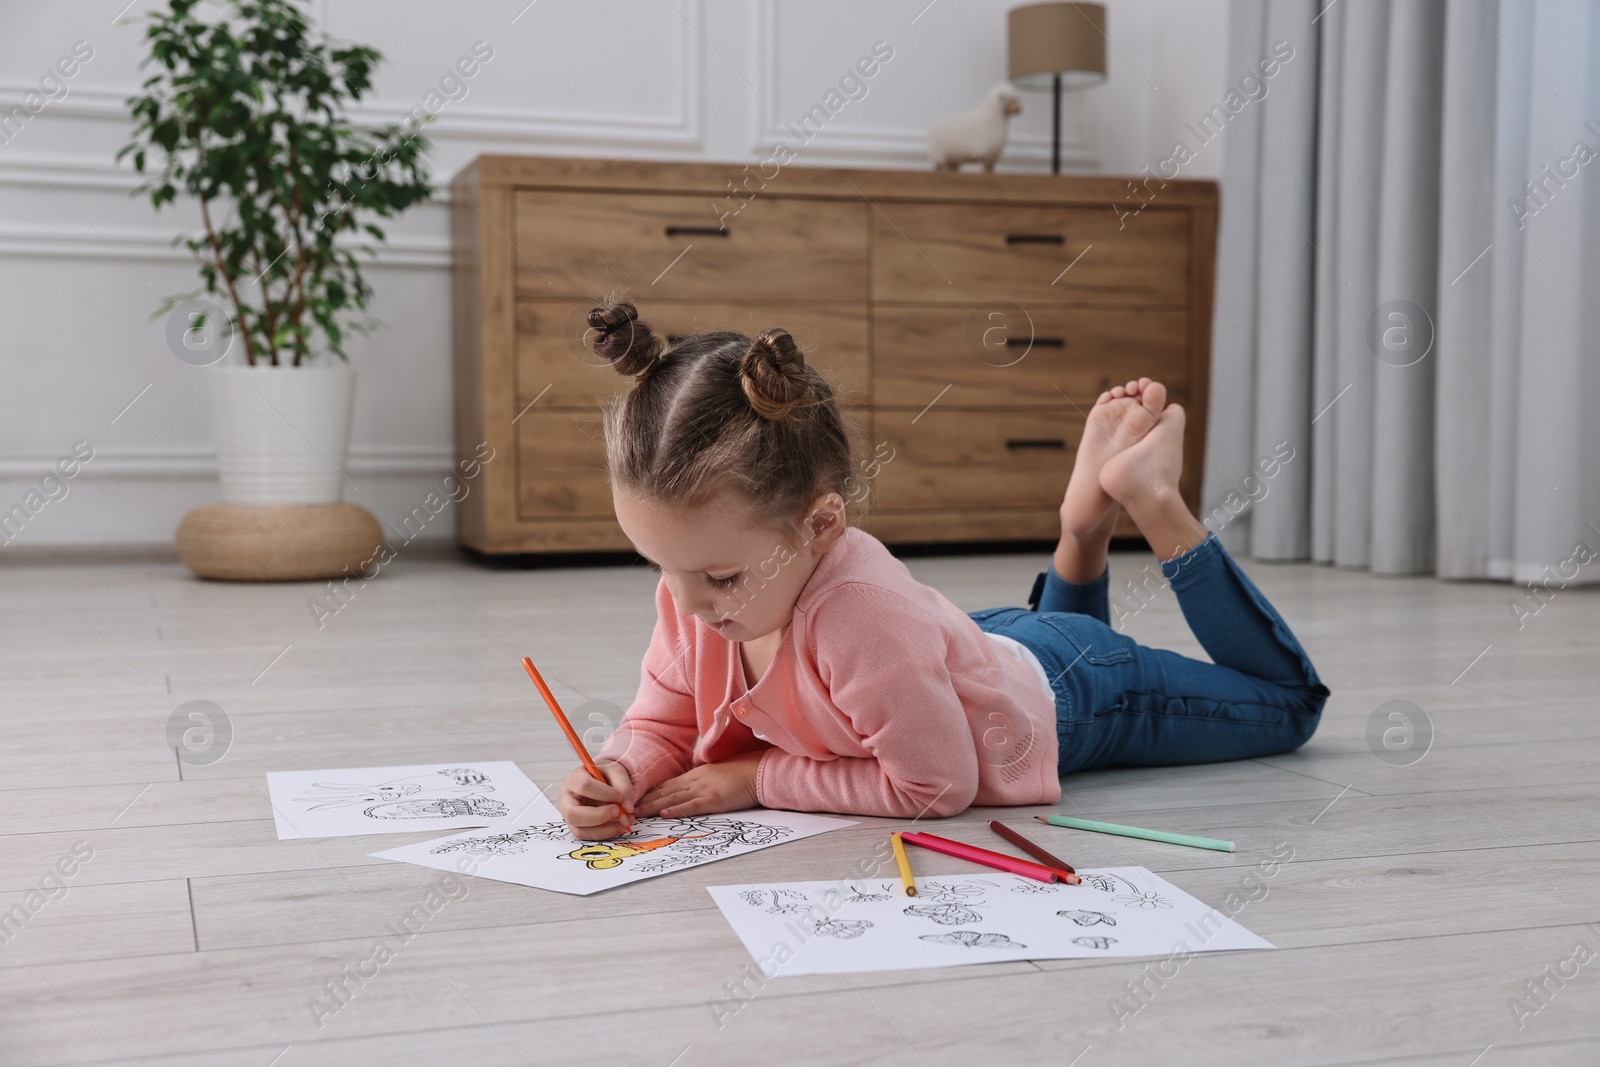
(684, 131)
(200, 461)
(898, 145)
(149, 244)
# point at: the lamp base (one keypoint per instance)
(1055, 124)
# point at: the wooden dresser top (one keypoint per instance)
(626, 175)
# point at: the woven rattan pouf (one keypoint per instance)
(278, 542)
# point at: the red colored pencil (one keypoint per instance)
(566, 728)
(997, 860)
(1036, 852)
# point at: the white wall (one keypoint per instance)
(83, 265)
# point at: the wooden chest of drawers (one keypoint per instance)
(968, 321)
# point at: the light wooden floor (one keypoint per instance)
(1419, 900)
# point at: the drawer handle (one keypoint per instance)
(1055, 443)
(1035, 342)
(1035, 239)
(696, 231)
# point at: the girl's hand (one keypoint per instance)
(594, 811)
(708, 788)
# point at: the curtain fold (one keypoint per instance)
(1233, 327)
(1287, 187)
(1409, 289)
(1364, 77)
(1514, 84)
(1467, 309)
(1402, 402)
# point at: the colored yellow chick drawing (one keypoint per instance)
(606, 854)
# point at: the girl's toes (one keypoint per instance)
(1132, 389)
(1104, 398)
(1154, 397)
(1116, 393)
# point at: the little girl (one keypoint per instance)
(796, 664)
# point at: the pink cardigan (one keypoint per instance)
(884, 698)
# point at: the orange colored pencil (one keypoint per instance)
(566, 727)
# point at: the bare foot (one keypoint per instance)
(1119, 419)
(1143, 477)
(1149, 463)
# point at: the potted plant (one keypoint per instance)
(246, 115)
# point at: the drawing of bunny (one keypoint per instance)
(439, 808)
(345, 794)
(348, 794)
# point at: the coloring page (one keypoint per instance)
(545, 855)
(397, 800)
(842, 927)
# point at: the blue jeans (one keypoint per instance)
(1119, 703)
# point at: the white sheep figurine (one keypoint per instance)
(977, 135)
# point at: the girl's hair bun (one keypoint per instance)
(774, 375)
(623, 339)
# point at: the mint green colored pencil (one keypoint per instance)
(1134, 831)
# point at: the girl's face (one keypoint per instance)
(726, 567)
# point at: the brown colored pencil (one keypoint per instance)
(1034, 850)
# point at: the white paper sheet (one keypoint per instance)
(543, 854)
(398, 800)
(842, 927)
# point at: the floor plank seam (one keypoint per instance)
(980, 817)
(1158, 869)
(1084, 963)
(1290, 770)
(494, 1024)
(1554, 1043)
(957, 973)
(194, 919)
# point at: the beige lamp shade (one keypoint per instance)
(1044, 40)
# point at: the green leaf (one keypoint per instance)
(247, 113)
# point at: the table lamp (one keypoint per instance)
(1056, 46)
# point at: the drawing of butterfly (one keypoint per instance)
(973, 939)
(863, 896)
(1089, 918)
(1095, 942)
(1146, 901)
(944, 914)
(953, 892)
(841, 928)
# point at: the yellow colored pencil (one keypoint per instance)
(904, 864)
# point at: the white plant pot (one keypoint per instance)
(283, 433)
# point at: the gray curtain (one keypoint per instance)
(1407, 290)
